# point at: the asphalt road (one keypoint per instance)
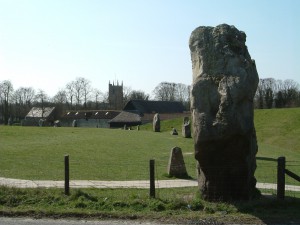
(28, 221)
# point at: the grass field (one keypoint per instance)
(114, 154)
(105, 154)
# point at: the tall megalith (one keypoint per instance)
(224, 83)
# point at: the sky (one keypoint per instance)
(46, 44)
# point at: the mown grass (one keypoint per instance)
(179, 204)
(104, 154)
(98, 154)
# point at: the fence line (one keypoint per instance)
(157, 181)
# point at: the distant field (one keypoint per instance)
(104, 154)
(113, 154)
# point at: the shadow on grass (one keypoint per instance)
(184, 176)
(270, 210)
(266, 159)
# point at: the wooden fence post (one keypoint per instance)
(280, 178)
(67, 176)
(152, 179)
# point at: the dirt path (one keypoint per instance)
(144, 184)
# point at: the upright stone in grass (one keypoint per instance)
(156, 123)
(174, 131)
(224, 83)
(186, 128)
(176, 166)
(74, 123)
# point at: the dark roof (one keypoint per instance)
(127, 117)
(37, 112)
(97, 114)
(155, 106)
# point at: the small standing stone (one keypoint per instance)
(42, 122)
(74, 124)
(176, 166)
(174, 131)
(156, 123)
(57, 123)
(10, 121)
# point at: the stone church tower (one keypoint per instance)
(115, 95)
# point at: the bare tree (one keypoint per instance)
(126, 94)
(42, 100)
(165, 91)
(70, 93)
(82, 90)
(23, 98)
(6, 91)
(87, 89)
(287, 95)
(98, 95)
(60, 97)
(138, 95)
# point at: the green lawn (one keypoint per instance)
(114, 154)
(100, 154)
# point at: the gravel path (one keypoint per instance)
(144, 184)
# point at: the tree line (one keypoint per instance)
(77, 95)
(273, 93)
(80, 95)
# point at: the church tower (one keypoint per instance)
(115, 95)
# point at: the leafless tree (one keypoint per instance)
(82, 90)
(42, 100)
(6, 91)
(97, 95)
(126, 94)
(60, 97)
(70, 93)
(165, 91)
(138, 95)
(23, 98)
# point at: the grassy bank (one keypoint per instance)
(184, 206)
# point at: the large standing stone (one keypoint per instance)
(176, 166)
(224, 83)
(156, 123)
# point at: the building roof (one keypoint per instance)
(38, 112)
(155, 106)
(95, 114)
(127, 117)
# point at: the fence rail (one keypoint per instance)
(281, 172)
(156, 181)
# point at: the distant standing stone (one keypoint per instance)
(74, 123)
(174, 131)
(57, 123)
(10, 121)
(186, 128)
(176, 166)
(156, 123)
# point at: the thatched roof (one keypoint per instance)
(38, 112)
(127, 117)
(155, 106)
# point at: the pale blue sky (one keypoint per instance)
(45, 44)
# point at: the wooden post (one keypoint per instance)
(280, 178)
(67, 176)
(152, 179)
